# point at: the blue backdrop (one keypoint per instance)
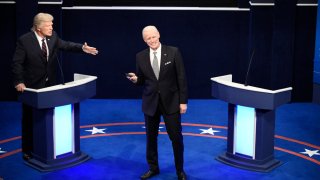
(208, 41)
(213, 43)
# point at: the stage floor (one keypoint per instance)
(118, 150)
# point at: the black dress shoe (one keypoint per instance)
(26, 157)
(182, 175)
(149, 174)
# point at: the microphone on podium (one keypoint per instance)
(61, 71)
(248, 70)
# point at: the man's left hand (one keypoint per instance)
(89, 50)
(183, 108)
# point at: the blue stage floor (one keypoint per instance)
(119, 152)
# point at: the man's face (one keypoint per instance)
(45, 28)
(151, 37)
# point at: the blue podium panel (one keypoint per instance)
(55, 117)
(251, 123)
(244, 128)
(63, 130)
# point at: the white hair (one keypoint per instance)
(149, 28)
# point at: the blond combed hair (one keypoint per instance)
(40, 18)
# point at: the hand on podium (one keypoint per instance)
(20, 87)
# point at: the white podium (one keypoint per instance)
(55, 118)
(251, 123)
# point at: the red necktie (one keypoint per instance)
(44, 48)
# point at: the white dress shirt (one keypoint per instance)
(40, 43)
(158, 55)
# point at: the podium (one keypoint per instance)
(55, 116)
(251, 123)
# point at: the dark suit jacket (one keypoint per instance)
(30, 67)
(171, 86)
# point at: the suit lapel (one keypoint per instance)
(36, 44)
(148, 65)
(164, 59)
(50, 46)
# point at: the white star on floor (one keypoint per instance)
(159, 128)
(2, 151)
(96, 130)
(208, 131)
(310, 153)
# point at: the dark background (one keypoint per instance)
(209, 50)
(212, 42)
(201, 3)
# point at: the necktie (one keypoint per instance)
(155, 65)
(44, 48)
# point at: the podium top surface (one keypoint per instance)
(79, 79)
(227, 80)
(83, 87)
(223, 88)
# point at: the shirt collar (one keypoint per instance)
(158, 50)
(38, 37)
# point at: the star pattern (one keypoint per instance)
(208, 131)
(310, 153)
(160, 127)
(1, 152)
(95, 130)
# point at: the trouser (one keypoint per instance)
(174, 130)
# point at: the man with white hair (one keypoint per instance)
(34, 66)
(160, 69)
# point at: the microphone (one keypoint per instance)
(248, 70)
(60, 67)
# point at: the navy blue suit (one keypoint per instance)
(30, 67)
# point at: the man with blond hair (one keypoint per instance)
(34, 66)
(160, 69)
